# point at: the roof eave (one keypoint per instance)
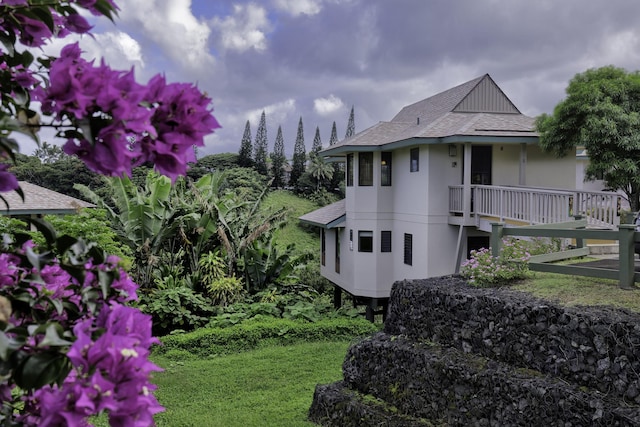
(452, 139)
(332, 224)
(14, 212)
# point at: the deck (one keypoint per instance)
(529, 206)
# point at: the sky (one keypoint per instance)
(316, 59)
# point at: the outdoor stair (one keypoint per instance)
(452, 355)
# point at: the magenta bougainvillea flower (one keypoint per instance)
(133, 123)
(8, 181)
(109, 357)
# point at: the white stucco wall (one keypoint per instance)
(581, 184)
(505, 168)
(544, 170)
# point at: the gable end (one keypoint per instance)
(486, 97)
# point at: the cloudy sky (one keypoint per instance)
(316, 59)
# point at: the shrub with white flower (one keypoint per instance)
(484, 270)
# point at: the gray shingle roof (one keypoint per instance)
(329, 216)
(435, 106)
(40, 200)
(476, 108)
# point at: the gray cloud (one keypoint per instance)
(376, 55)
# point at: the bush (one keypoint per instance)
(93, 225)
(225, 290)
(175, 308)
(484, 270)
(249, 335)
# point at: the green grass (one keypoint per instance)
(292, 232)
(577, 291)
(271, 386)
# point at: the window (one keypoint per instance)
(365, 241)
(323, 245)
(385, 241)
(337, 251)
(365, 169)
(415, 159)
(408, 249)
(349, 170)
(385, 168)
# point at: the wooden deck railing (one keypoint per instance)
(537, 205)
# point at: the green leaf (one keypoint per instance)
(41, 369)
(65, 242)
(105, 278)
(7, 346)
(9, 42)
(46, 229)
(52, 336)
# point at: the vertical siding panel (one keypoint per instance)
(486, 97)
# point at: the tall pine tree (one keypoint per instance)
(278, 160)
(338, 169)
(351, 126)
(299, 157)
(334, 135)
(317, 143)
(260, 149)
(244, 156)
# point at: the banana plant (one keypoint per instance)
(241, 223)
(142, 217)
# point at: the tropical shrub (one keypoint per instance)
(176, 308)
(225, 291)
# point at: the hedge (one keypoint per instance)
(206, 342)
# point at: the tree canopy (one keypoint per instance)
(602, 113)
(317, 143)
(278, 160)
(299, 156)
(246, 149)
(351, 125)
(261, 145)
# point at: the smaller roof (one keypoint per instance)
(40, 200)
(330, 216)
(475, 111)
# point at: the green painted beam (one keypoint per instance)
(582, 223)
(557, 256)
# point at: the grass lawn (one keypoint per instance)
(271, 386)
(577, 290)
(292, 232)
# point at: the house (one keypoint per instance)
(39, 201)
(423, 189)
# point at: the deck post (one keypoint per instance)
(496, 238)
(579, 241)
(626, 237)
(337, 296)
